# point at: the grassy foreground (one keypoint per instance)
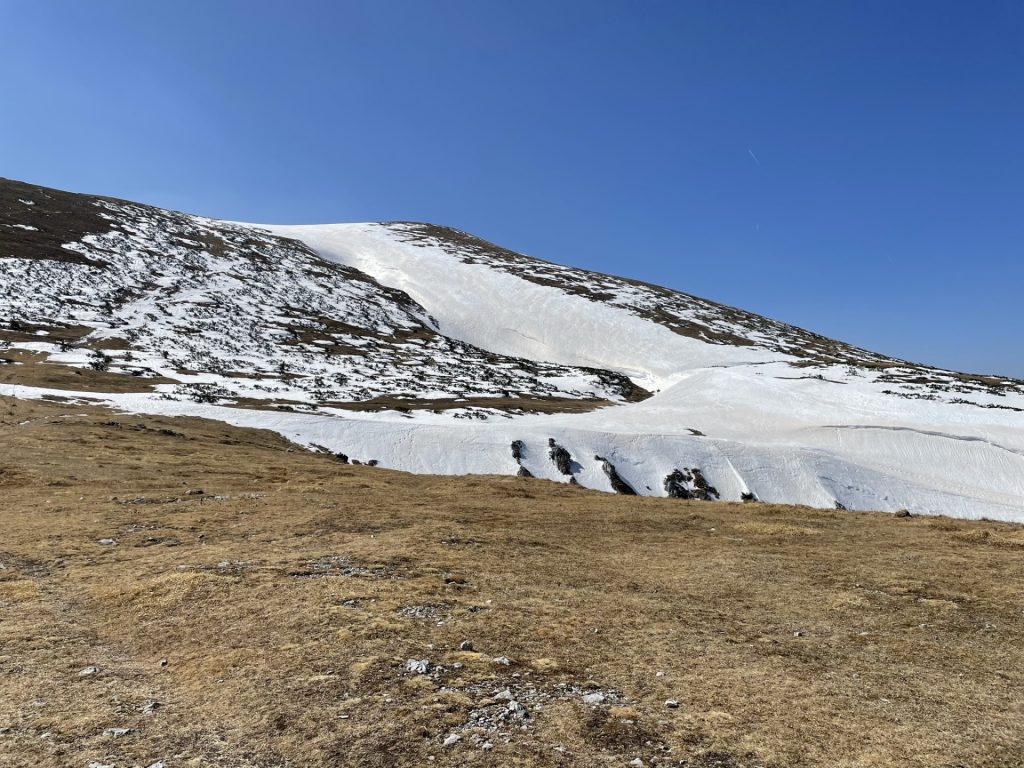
(269, 621)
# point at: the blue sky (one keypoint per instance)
(856, 168)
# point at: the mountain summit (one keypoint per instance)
(426, 349)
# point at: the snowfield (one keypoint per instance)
(308, 320)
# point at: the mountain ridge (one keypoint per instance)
(425, 348)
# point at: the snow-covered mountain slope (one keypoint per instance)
(426, 349)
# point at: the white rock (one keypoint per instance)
(505, 695)
(417, 666)
(672, 704)
(88, 671)
(503, 660)
(637, 763)
(593, 699)
(118, 732)
(452, 739)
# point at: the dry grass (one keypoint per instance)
(790, 637)
(19, 367)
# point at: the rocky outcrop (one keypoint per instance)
(689, 484)
(676, 485)
(618, 484)
(518, 453)
(561, 457)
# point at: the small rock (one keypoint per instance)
(107, 542)
(417, 666)
(637, 763)
(158, 764)
(163, 662)
(516, 709)
(798, 633)
(659, 674)
(466, 645)
(88, 671)
(672, 704)
(487, 746)
(452, 739)
(150, 707)
(94, 764)
(593, 699)
(118, 732)
(505, 695)
(195, 492)
(503, 660)
(902, 513)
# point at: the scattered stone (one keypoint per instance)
(636, 763)
(88, 671)
(487, 746)
(452, 740)
(502, 660)
(505, 695)
(517, 710)
(417, 666)
(150, 707)
(117, 733)
(672, 704)
(593, 699)
(420, 611)
(466, 645)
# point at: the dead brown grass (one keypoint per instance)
(31, 369)
(288, 596)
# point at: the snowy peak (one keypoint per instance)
(231, 312)
(427, 349)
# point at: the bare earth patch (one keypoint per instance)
(301, 612)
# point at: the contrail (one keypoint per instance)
(751, 153)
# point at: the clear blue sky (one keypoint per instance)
(885, 205)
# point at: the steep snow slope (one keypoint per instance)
(769, 410)
(429, 350)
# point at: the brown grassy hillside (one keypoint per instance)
(269, 620)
